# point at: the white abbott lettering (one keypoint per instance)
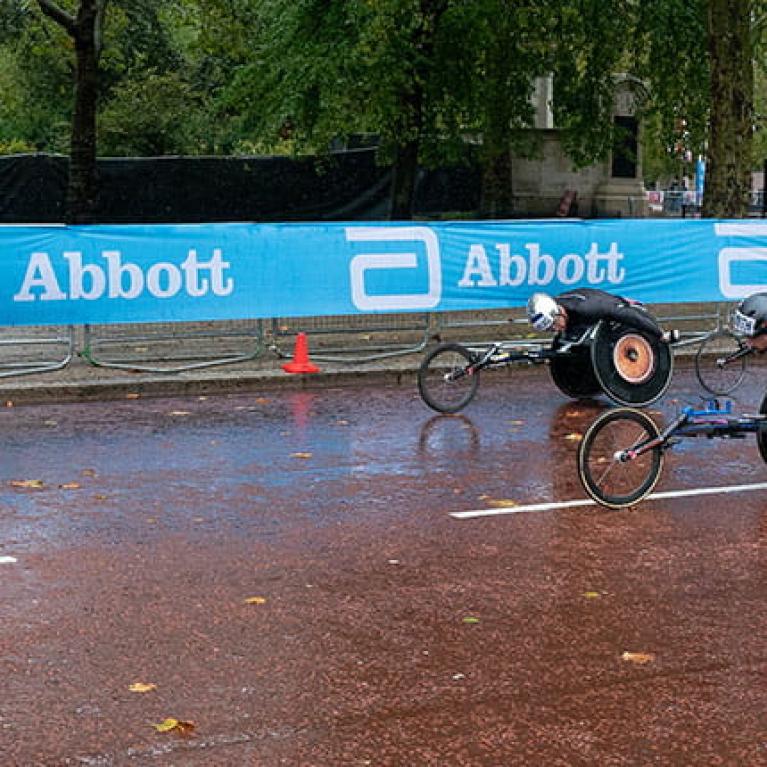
(78, 274)
(536, 261)
(154, 280)
(477, 266)
(596, 274)
(509, 262)
(570, 269)
(217, 266)
(541, 268)
(117, 271)
(40, 275)
(195, 285)
(90, 281)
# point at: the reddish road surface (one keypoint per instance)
(286, 572)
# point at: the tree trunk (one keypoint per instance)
(728, 175)
(82, 191)
(405, 171)
(497, 200)
(404, 176)
(85, 31)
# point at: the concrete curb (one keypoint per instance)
(106, 385)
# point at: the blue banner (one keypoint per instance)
(104, 274)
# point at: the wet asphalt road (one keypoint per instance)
(385, 632)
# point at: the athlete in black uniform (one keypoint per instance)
(573, 311)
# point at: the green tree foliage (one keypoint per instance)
(424, 76)
(700, 61)
(431, 80)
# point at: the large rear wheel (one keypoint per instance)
(632, 368)
(611, 473)
(447, 380)
(573, 374)
(716, 365)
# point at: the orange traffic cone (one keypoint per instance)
(301, 363)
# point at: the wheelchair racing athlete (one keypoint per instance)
(750, 320)
(571, 312)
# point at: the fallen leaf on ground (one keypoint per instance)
(132, 395)
(262, 400)
(574, 437)
(502, 503)
(470, 619)
(300, 455)
(592, 595)
(70, 486)
(88, 472)
(255, 601)
(638, 657)
(170, 724)
(27, 483)
(142, 687)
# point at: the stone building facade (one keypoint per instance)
(612, 188)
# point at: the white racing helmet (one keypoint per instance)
(750, 317)
(542, 310)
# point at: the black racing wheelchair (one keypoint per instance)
(627, 365)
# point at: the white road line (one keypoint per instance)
(554, 505)
(8, 560)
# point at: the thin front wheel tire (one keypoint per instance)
(447, 380)
(608, 470)
(715, 369)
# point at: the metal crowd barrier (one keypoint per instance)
(376, 336)
(35, 349)
(178, 347)
(172, 347)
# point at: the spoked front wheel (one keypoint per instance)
(610, 470)
(717, 365)
(447, 380)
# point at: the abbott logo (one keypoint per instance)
(364, 262)
(730, 256)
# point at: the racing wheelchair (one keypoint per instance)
(607, 357)
(620, 458)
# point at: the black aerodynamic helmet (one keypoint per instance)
(750, 316)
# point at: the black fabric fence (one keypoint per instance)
(340, 186)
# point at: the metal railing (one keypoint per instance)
(172, 347)
(35, 349)
(176, 347)
(377, 336)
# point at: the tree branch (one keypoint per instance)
(52, 11)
